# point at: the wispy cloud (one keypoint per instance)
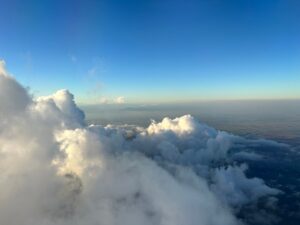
(92, 71)
(97, 67)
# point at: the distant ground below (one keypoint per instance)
(278, 120)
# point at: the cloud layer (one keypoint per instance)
(56, 170)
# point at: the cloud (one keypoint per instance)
(233, 187)
(98, 67)
(56, 170)
(13, 97)
(247, 156)
(120, 100)
(104, 100)
(63, 101)
(2, 68)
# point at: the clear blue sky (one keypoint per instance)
(153, 51)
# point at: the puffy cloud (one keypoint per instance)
(56, 170)
(64, 101)
(120, 100)
(2, 68)
(104, 100)
(109, 100)
(235, 188)
(13, 97)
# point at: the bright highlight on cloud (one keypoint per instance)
(104, 100)
(56, 170)
(120, 100)
(117, 100)
(2, 68)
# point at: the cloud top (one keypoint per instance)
(2, 68)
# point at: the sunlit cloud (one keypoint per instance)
(120, 100)
(2, 67)
(70, 173)
(104, 100)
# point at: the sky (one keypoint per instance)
(115, 51)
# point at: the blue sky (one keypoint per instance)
(154, 51)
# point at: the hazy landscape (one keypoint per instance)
(274, 119)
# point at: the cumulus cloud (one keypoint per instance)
(104, 100)
(2, 68)
(235, 188)
(13, 97)
(56, 170)
(120, 100)
(110, 100)
(63, 100)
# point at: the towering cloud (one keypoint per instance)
(13, 97)
(56, 170)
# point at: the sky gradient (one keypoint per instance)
(154, 51)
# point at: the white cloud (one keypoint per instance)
(2, 68)
(120, 100)
(13, 97)
(56, 170)
(234, 188)
(104, 100)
